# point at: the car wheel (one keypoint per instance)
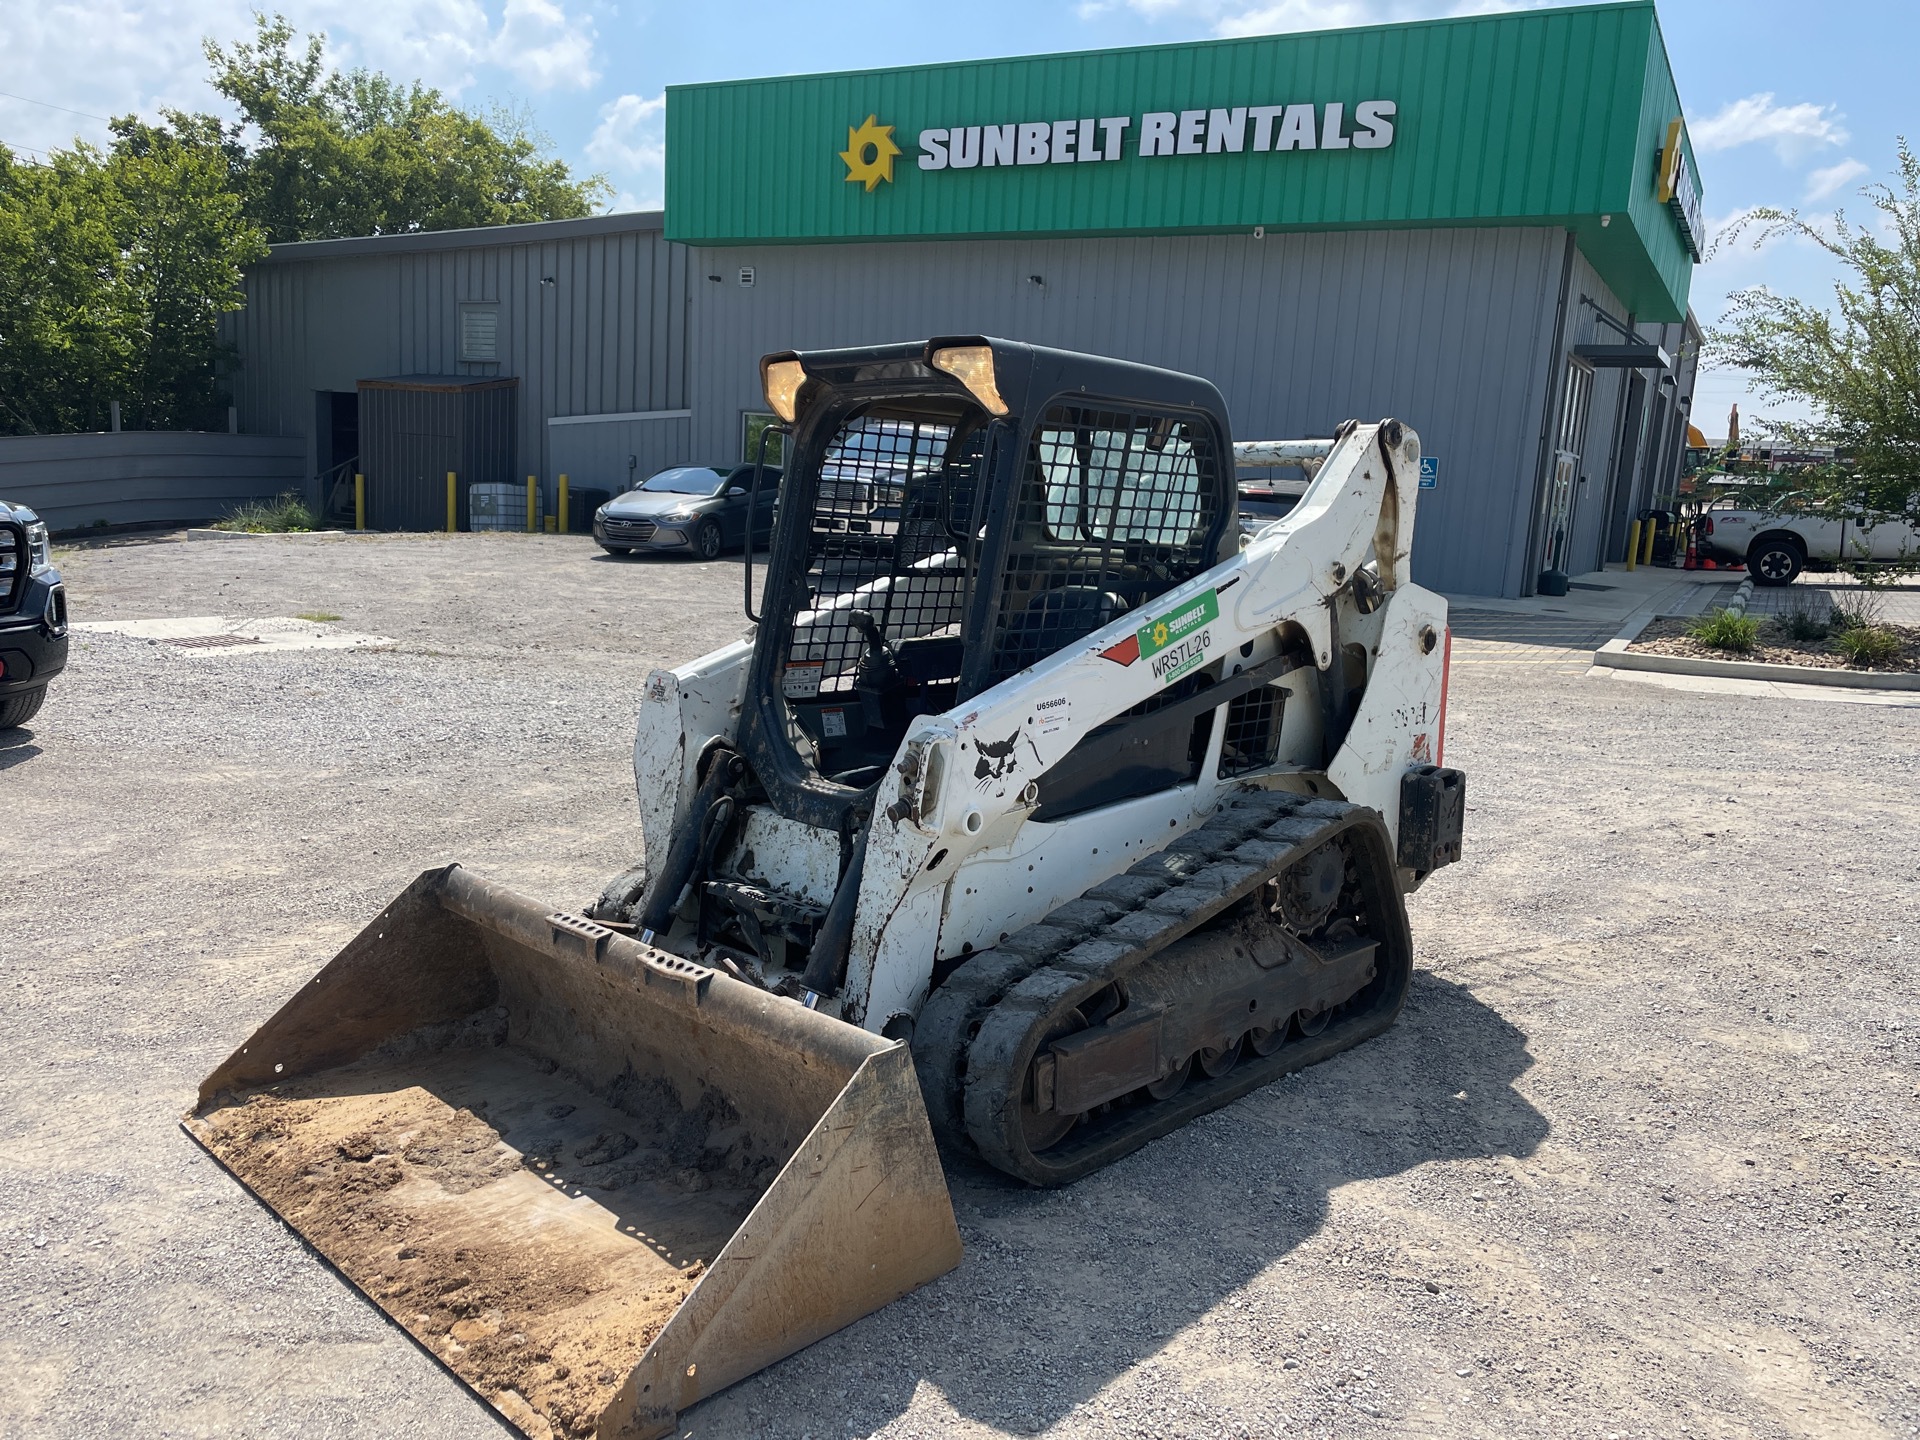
(707, 540)
(20, 708)
(1775, 561)
(618, 549)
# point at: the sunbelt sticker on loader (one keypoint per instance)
(1175, 643)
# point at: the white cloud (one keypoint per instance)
(1823, 183)
(1796, 132)
(546, 47)
(630, 140)
(115, 56)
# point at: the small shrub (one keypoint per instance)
(1723, 630)
(1858, 611)
(281, 515)
(319, 617)
(1866, 646)
(1801, 623)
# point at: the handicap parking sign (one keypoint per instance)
(1429, 472)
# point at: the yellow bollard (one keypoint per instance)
(562, 524)
(1633, 544)
(453, 504)
(1646, 554)
(359, 501)
(533, 504)
(550, 524)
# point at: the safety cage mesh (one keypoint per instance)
(891, 549)
(1116, 507)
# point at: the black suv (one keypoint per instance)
(33, 615)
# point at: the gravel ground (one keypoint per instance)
(1639, 1160)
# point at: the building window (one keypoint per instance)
(479, 334)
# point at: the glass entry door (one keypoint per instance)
(1569, 445)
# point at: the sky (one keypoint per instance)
(1789, 104)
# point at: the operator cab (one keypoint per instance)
(953, 513)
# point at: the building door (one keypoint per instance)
(1626, 469)
(336, 451)
(1570, 442)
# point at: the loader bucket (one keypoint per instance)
(596, 1181)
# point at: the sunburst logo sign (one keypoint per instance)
(870, 153)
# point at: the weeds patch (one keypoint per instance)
(1800, 623)
(282, 515)
(1859, 611)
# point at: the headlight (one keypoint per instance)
(678, 517)
(601, 513)
(39, 548)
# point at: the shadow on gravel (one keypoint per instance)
(1062, 1292)
(16, 748)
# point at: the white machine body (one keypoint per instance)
(956, 859)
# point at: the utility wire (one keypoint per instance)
(29, 100)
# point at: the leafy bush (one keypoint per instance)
(1866, 646)
(1723, 630)
(1801, 623)
(277, 516)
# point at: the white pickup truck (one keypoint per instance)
(1776, 548)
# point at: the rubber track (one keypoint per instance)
(1113, 928)
(948, 1023)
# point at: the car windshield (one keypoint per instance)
(684, 480)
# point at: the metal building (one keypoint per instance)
(1483, 226)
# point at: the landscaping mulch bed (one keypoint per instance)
(1668, 636)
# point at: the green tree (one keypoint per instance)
(114, 270)
(1857, 367)
(361, 154)
(116, 265)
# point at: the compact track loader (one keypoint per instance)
(1040, 813)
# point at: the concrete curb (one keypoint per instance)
(1742, 593)
(199, 533)
(1614, 655)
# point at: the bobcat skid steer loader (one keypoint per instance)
(1039, 806)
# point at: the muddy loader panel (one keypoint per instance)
(596, 1181)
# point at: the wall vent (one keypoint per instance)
(479, 333)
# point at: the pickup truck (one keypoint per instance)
(33, 615)
(1776, 548)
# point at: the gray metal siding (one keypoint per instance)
(597, 455)
(143, 476)
(607, 334)
(1445, 329)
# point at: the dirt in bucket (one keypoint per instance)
(533, 1236)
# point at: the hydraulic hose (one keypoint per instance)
(827, 960)
(690, 842)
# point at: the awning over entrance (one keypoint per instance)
(1625, 357)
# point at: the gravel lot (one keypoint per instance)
(1639, 1160)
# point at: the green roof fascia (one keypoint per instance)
(1537, 118)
